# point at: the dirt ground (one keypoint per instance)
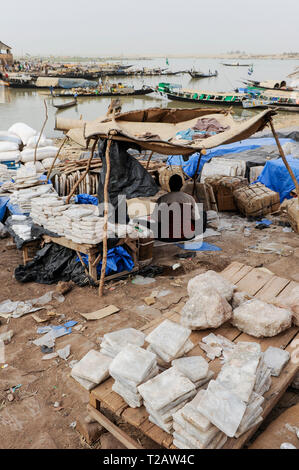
(31, 420)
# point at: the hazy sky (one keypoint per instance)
(99, 28)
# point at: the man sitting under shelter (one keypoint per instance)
(177, 217)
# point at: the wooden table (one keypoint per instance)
(94, 253)
(251, 280)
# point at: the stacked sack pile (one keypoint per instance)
(19, 142)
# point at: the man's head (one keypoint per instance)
(175, 183)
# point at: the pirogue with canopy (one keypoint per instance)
(165, 131)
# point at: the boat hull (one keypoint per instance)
(174, 97)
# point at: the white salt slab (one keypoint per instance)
(134, 400)
(222, 407)
(121, 338)
(94, 366)
(169, 337)
(167, 427)
(192, 415)
(259, 319)
(204, 437)
(165, 416)
(85, 383)
(246, 355)
(206, 308)
(166, 388)
(163, 357)
(194, 367)
(237, 381)
(131, 385)
(222, 285)
(133, 363)
(276, 359)
(211, 351)
(200, 383)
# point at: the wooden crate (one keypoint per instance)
(251, 280)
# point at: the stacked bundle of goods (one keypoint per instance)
(223, 187)
(169, 341)
(19, 144)
(130, 368)
(24, 198)
(115, 341)
(256, 200)
(223, 167)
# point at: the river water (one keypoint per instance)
(26, 105)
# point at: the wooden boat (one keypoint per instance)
(66, 104)
(177, 93)
(128, 91)
(197, 74)
(236, 64)
(262, 102)
(269, 85)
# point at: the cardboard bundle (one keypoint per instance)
(256, 200)
(223, 187)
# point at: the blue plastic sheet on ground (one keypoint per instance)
(264, 222)
(200, 246)
(86, 199)
(276, 176)
(3, 203)
(118, 260)
(189, 167)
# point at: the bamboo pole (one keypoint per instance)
(42, 129)
(83, 175)
(104, 258)
(51, 167)
(280, 149)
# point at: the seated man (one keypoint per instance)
(176, 216)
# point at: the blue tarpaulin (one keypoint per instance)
(3, 203)
(189, 167)
(86, 199)
(118, 260)
(276, 176)
(200, 246)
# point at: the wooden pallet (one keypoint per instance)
(251, 280)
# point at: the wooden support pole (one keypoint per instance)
(149, 159)
(51, 167)
(83, 175)
(281, 152)
(106, 201)
(42, 129)
(195, 174)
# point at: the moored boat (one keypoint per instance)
(108, 91)
(177, 93)
(198, 74)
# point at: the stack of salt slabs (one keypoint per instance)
(115, 341)
(41, 208)
(164, 395)
(233, 401)
(192, 430)
(196, 368)
(169, 341)
(131, 367)
(92, 369)
(84, 225)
